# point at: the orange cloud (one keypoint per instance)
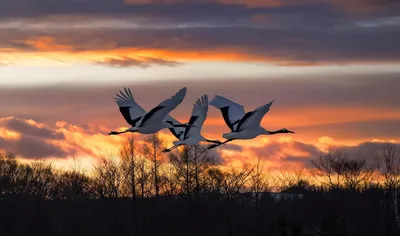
(87, 144)
(45, 43)
(48, 49)
(7, 134)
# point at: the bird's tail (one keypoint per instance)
(176, 143)
(227, 135)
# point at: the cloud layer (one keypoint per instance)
(282, 32)
(55, 121)
(62, 141)
(322, 112)
(143, 62)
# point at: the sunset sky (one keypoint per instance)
(332, 67)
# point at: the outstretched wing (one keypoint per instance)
(128, 107)
(199, 115)
(176, 131)
(159, 113)
(253, 118)
(231, 111)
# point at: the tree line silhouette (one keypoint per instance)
(188, 192)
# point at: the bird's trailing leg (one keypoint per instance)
(213, 141)
(115, 133)
(218, 144)
(171, 148)
(126, 131)
(180, 125)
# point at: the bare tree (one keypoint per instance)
(72, 184)
(235, 180)
(341, 171)
(143, 175)
(191, 163)
(213, 180)
(75, 182)
(289, 176)
(356, 174)
(153, 148)
(128, 156)
(182, 161)
(8, 171)
(108, 178)
(389, 166)
(329, 167)
(171, 185)
(202, 160)
(258, 181)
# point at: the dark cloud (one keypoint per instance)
(305, 161)
(370, 151)
(276, 151)
(32, 147)
(285, 46)
(311, 149)
(35, 141)
(22, 126)
(143, 62)
(216, 157)
(183, 7)
(293, 34)
(35, 8)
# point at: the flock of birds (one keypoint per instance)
(242, 125)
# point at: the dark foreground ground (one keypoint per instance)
(317, 213)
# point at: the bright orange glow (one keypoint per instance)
(45, 43)
(48, 49)
(49, 52)
(7, 134)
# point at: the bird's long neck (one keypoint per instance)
(273, 132)
(131, 130)
(211, 141)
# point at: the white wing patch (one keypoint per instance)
(252, 120)
(231, 111)
(159, 113)
(128, 107)
(199, 115)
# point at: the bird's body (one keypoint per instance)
(189, 141)
(191, 134)
(149, 129)
(147, 122)
(243, 134)
(242, 125)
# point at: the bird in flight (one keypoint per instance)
(191, 134)
(147, 122)
(242, 125)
